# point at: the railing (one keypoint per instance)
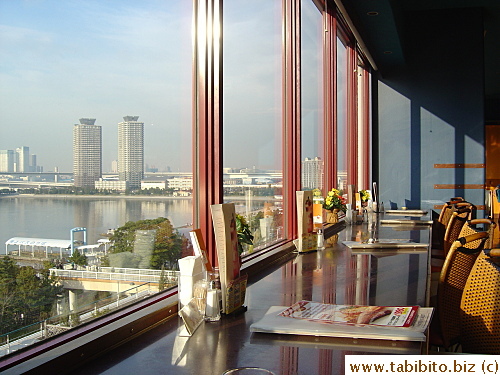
(25, 336)
(121, 274)
(134, 271)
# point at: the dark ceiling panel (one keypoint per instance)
(383, 32)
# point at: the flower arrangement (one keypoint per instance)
(317, 196)
(364, 196)
(334, 200)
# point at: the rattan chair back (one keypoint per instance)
(440, 225)
(470, 227)
(480, 308)
(456, 269)
(455, 224)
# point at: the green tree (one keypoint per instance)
(168, 242)
(8, 273)
(78, 258)
(26, 295)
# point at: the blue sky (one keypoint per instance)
(64, 60)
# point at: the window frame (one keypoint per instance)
(208, 151)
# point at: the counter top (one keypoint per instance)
(333, 275)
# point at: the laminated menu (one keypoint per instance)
(226, 240)
(390, 316)
(305, 241)
(274, 322)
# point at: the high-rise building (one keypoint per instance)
(131, 151)
(7, 160)
(23, 159)
(114, 166)
(87, 152)
(312, 173)
(33, 166)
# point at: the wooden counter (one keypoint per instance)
(334, 275)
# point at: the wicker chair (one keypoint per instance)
(445, 330)
(480, 307)
(452, 233)
(470, 228)
(440, 226)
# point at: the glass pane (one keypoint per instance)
(312, 96)
(364, 135)
(342, 145)
(252, 116)
(72, 71)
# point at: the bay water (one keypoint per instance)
(53, 217)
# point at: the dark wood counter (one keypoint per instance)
(333, 275)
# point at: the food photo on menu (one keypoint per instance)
(391, 316)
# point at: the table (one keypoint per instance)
(333, 275)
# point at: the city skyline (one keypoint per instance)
(63, 61)
(92, 59)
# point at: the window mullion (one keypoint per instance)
(291, 113)
(207, 116)
(330, 100)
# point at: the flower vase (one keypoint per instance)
(332, 217)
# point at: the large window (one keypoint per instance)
(79, 78)
(312, 120)
(342, 116)
(363, 126)
(252, 146)
(120, 85)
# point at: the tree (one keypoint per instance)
(167, 247)
(78, 258)
(26, 295)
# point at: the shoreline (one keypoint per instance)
(69, 196)
(137, 197)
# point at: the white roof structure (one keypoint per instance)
(38, 242)
(43, 242)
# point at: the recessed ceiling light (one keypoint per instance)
(373, 13)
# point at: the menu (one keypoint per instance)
(392, 316)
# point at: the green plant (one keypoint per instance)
(244, 233)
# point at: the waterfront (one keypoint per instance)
(53, 217)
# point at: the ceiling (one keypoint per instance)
(382, 31)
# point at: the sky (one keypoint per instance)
(66, 60)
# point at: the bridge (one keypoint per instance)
(113, 279)
(129, 285)
(104, 175)
(75, 315)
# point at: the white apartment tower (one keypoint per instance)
(312, 173)
(7, 160)
(87, 152)
(131, 151)
(23, 159)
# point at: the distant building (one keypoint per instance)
(312, 173)
(153, 184)
(112, 185)
(131, 151)
(7, 160)
(22, 159)
(87, 153)
(33, 166)
(180, 183)
(114, 166)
